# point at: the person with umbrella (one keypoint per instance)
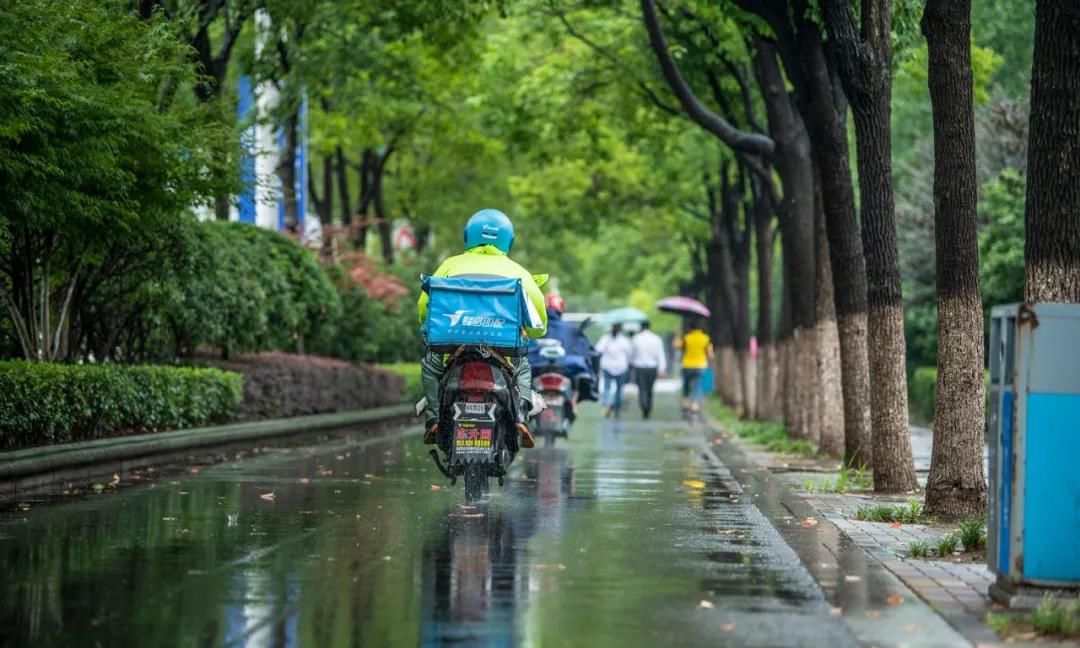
(697, 355)
(697, 348)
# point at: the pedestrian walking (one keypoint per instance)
(697, 353)
(615, 355)
(649, 362)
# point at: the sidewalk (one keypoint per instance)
(956, 590)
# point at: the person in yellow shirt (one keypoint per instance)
(697, 354)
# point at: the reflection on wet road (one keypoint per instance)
(627, 535)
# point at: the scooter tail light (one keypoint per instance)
(553, 382)
(477, 376)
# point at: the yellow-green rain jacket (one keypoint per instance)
(490, 260)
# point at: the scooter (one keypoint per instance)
(557, 391)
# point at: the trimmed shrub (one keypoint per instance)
(369, 330)
(279, 385)
(923, 391)
(56, 403)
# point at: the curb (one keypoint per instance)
(21, 464)
(968, 626)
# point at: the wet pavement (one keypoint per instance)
(631, 534)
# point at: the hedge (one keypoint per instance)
(280, 385)
(42, 403)
(922, 393)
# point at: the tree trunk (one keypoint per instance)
(797, 232)
(385, 234)
(956, 486)
(741, 239)
(826, 122)
(1052, 247)
(766, 357)
(360, 222)
(721, 304)
(341, 170)
(287, 173)
(831, 393)
(865, 61)
(893, 463)
(782, 395)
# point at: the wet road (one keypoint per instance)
(629, 535)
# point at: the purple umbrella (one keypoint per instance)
(683, 306)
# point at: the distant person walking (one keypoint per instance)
(615, 355)
(649, 362)
(697, 353)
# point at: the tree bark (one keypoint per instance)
(956, 486)
(383, 220)
(865, 62)
(831, 394)
(287, 173)
(766, 358)
(794, 165)
(341, 170)
(826, 122)
(1052, 242)
(360, 220)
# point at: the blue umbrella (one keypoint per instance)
(627, 315)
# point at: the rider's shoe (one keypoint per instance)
(527, 440)
(431, 434)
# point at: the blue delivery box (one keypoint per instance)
(487, 311)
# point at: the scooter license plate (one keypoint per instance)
(470, 438)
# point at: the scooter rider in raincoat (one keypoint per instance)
(489, 236)
(575, 364)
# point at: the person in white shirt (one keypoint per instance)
(649, 362)
(615, 355)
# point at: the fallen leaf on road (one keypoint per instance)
(303, 480)
(836, 611)
(369, 476)
(706, 605)
(436, 487)
(727, 627)
(895, 600)
(558, 566)
(339, 457)
(267, 496)
(718, 441)
(115, 481)
(693, 483)
(386, 558)
(808, 523)
(195, 471)
(896, 525)
(168, 519)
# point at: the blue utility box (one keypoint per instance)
(1034, 429)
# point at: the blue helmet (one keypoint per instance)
(489, 227)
